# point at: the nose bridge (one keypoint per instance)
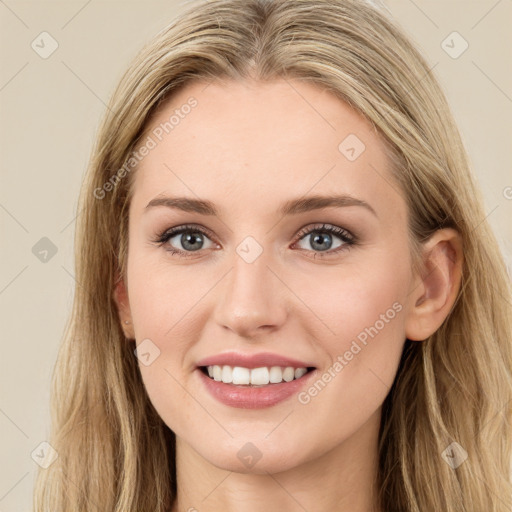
(250, 298)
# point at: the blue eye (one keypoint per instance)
(321, 237)
(192, 239)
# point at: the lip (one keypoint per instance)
(253, 360)
(253, 397)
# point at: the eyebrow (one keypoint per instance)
(290, 207)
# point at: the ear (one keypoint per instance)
(123, 308)
(434, 292)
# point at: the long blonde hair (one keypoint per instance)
(114, 451)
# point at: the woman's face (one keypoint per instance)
(257, 271)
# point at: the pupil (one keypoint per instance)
(188, 242)
(318, 239)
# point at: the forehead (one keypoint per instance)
(235, 143)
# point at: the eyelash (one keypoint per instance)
(347, 238)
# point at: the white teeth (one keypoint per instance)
(288, 374)
(299, 372)
(259, 376)
(241, 375)
(254, 376)
(227, 374)
(276, 374)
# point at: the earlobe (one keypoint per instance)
(437, 288)
(120, 296)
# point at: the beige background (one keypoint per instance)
(50, 109)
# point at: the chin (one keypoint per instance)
(254, 456)
(267, 464)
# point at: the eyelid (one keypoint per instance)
(329, 228)
(176, 230)
(163, 238)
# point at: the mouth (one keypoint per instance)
(254, 377)
(254, 381)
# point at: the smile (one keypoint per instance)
(262, 376)
(243, 392)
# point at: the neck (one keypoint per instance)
(340, 480)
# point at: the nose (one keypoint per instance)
(253, 300)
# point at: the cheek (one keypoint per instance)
(162, 296)
(362, 329)
(364, 301)
(346, 299)
(167, 305)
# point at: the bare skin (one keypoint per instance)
(248, 147)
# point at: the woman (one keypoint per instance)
(219, 357)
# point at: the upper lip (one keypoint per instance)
(252, 360)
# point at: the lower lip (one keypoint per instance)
(250, 397)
